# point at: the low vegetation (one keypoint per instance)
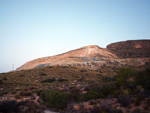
(49, 80)
(19, 107)
(55, 98)
(60, 87)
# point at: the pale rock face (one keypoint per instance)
(75, 56)
(138, 46)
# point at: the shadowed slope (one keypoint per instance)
(131, 48)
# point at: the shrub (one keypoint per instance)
(55, 98)
(74, 93)
(62, 80)
(23, 93)
(97, 109)
(42, 74)
(21, 107)
(139, 99)
(17, 96)
(124, 100)
(138, 88)
(123, 76)
(1, 82)
(106, 79)
(136, 110)
(49, 80)
(148, 101)
(83, 70)
(4, 78)
(8, 106)
(65, 67)
(125, 91)
(90, 95)
(29, 107)
(143, 79)
(147, 105)
(108, 90)
(112, 90)
(21, 75)
(105, 91)
(116, 111)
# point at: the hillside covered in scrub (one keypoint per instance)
(75, 90)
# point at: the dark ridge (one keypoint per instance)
(131, 48)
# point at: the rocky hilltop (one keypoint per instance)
(131, 48)
(133, 52)
(136, 44)
(79, 56)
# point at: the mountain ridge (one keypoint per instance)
(94, 57)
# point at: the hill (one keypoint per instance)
(131, 49)
(125, 53)
(88, 80)
(81, 56)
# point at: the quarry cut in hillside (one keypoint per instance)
(119, 54)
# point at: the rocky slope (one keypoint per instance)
(131, 48)
(126, 53)
(79, 56)
(130, 44)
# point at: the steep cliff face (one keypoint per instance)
(131, 49)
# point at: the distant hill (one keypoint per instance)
(131, 49)
(132, 53)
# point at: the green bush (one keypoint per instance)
(55, 98)
(123, 76)
(49, 80)
(143, 79)
(106, 79)
(111, 89)
(107, 90)
(90, 95)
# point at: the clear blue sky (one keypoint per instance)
(30, 29)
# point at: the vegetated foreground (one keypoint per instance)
(76, 90)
